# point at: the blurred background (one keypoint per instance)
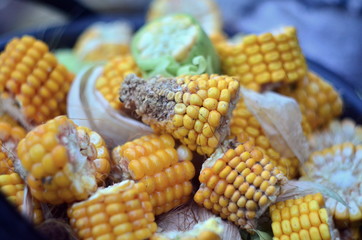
(330, 31)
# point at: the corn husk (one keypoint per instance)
(86, 107)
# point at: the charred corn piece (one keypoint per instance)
(337, 132)
(154, 161)
(238, 183)
(194, 109)
(210, 229)
(339, 168)
(32, 83)
(12, 186)
(121, 211)
(244, 126)
(62, 161)
(102, 41)
(263, 60)
(206, 12)
(302, 218)
(174, 45)
(112, 77)
(318, 100)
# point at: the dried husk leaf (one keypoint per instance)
(86, 107)
(280, 118)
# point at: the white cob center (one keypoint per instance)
(172, 36)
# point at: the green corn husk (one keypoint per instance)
(200, 58)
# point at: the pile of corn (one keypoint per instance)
(208, 148)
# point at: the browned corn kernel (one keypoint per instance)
(112, 77)
(62, 161)
(339, 168)
(210, 229)
(266, 59)
(194, 109)
(12, 186)
(229, 187)
(318, 100)
(154, 161)
(303, 218)
(336, 132)
(244, 126)
(32, 80)
(121, 211)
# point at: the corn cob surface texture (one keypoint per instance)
(339, 168)
(301, 218)
(121, 211)
(239, 183)
(154, 161)
(194, 109)
(114, 72)
(31, 76)
(59, 160)
(210, 229)
(318, 100)
(266, 59)
(244, 126)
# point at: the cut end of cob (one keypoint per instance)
(263, 61)
(33, 86)
(121, 211)
(58, 159)
(302, 218)
(153, 160)
(194, 109)
(112, 77)
(339, 168)
(239, 183)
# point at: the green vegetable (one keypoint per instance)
(70, 60)
(172, 46)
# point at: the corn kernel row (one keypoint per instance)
(266, 59)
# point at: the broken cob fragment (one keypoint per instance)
(302, 218)
(206, 12)
(33, 86)
(210, 229)
(244, 126)
(264, 61)
(104, 40)
(166, 172)
(318, 100)
(238, 182)
(174, 45)
(339, 168)
(112, 77)
(336, 132)
(194, 109)
(121, 211)
(62, 161)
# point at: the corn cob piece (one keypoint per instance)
(244, 126)
(62, 161)
(6, 162)
(264, 60)
(238, 182)
(154, 161)
(210, 229)
(336, 132)
(8, 119)
(112, 77)
(121, 211)
(12, 186)
(318, 100)
(102, 41)
(206, 12)
(194, 109)
(174, 45)
(33, 86)
(339, 168)
(302, 218)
